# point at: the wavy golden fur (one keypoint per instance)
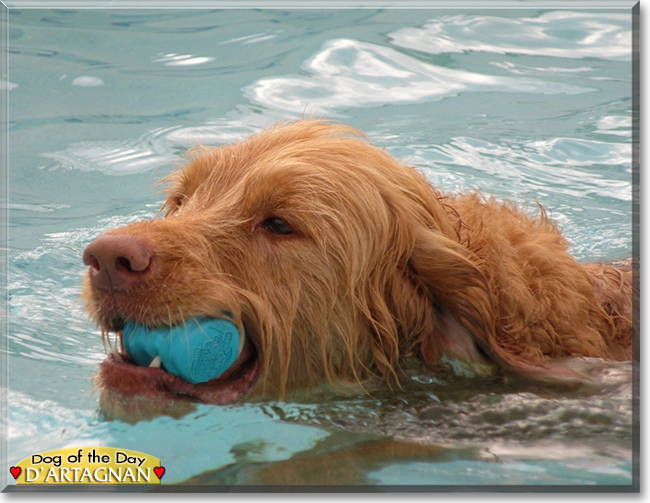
(379, 265)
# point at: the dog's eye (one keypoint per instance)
(173, 203)
(277, 226)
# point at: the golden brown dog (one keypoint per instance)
(340, 261)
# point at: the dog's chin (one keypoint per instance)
(132, 393)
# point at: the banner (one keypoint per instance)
(89, 465)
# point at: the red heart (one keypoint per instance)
(15, 471)
(159, 471)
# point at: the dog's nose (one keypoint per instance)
(117, 262)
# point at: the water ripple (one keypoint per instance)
(566, 165)
(615, 125)
(254, 38)
(173, 59)
(560, 34)
(155, 148)
(449, 409)
(120, 157)
(580, 152)
(347, 73)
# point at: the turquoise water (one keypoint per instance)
(527, 104)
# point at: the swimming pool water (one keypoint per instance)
(530, 104)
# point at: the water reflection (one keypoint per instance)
(349, 73)
(559, 34)
(173, 59)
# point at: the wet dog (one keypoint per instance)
(339, 262)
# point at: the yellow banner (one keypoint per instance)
(89, 465)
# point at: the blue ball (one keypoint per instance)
(198, 350)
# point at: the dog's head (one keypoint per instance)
(336, 259)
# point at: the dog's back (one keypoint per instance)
(548, 304)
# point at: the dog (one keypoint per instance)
(339, 262)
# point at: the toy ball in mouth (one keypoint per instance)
(199, 350)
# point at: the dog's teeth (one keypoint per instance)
(116, 354)
(155, 362)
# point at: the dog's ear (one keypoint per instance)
(449, 273)
(443, 269)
